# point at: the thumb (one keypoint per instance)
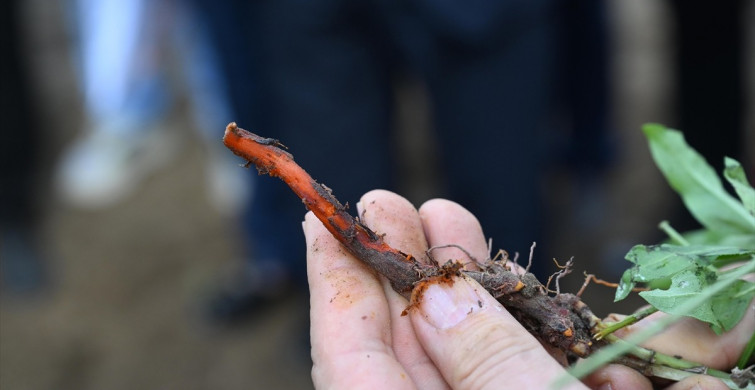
(475, 342)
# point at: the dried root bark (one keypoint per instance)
(561, 320)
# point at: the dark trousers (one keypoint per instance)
(320, 78)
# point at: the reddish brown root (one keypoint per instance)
(266, 154)
(562, 321)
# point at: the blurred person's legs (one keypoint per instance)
(710, 58)
(326, 82)
(587, 91)
(124, 95)
(323, 86)
(228, 186)
(22, 269)
(320, 84)
(242, 287)
(586, 147)
(491, 91)
(710, 85)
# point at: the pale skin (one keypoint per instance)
(458, 337)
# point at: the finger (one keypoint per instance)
(447, 223)
(617, 377)
(699, 382)
(351, 342)
(476, 343)
(695, 340)
(397, 220)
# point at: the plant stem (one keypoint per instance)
(669, 367)
(675, 374)
(613, 351)
(747, 353)
(628, 320)
(672, 233)
(651, 356)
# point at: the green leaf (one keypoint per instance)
(722, 312)
(707, 237)
(730, 305)
(735, 174)
(697, 183)
(685, 285)
(611, 352)
(690, 270)
(658, 263)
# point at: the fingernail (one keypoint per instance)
(445, 304)
(606, 386)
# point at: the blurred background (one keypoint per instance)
(135, 253)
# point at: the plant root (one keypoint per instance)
(561, 320)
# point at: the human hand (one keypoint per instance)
(457, 337)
